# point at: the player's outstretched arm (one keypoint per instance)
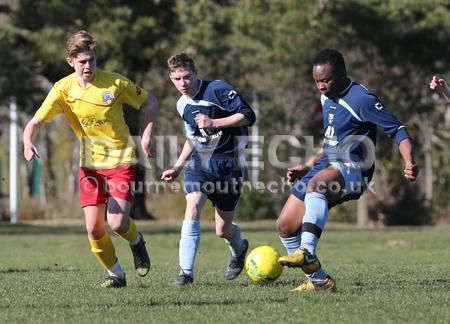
(29, 134)
(440, 85)
(151, 109)
(406, 150)
(297, 172)
(172, 173)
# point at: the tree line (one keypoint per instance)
(263, 47)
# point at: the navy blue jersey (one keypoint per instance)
(216, 99)
(353, 118)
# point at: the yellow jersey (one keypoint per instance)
(96, 116)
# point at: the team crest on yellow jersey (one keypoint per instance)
(107, 97)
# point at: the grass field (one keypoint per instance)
(395, 275)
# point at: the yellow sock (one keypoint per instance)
(131, 235)
(104, 251)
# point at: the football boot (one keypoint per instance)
(301, 258)
(183, 280)
(236, 264)
(141, 258)
(114, 282)
(328, 285)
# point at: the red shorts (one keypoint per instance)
(96, 186)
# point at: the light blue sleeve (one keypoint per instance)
(189, 130)
(181, 105)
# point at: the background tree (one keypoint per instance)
(130, 42)
(264, 49)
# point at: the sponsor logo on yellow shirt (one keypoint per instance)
(107, 97)
(89, 122)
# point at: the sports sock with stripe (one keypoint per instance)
(291, 243)
(316, 215)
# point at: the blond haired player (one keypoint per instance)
(91, 99)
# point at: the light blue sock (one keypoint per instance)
(236, 244)
(316, 215)
(319, 275)
(189, 242)
(291, 243)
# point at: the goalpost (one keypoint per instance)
(13, 168)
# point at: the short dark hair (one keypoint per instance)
(332, 57)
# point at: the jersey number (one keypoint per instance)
(329, 133)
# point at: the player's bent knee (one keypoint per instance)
(117, 226)
(95, 233)
(193, 210)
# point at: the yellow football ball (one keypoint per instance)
(262, 264)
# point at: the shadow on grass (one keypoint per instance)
(412, 284)
(7, 229)
(278, 283)
(209, 302)
(14, 270)
(176, 303)
(39, 269)
(29, 229)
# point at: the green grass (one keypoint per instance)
(399, 275)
